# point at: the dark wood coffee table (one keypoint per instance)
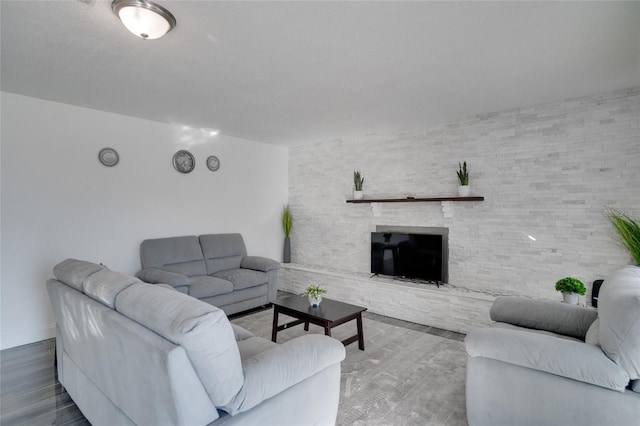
(329, 314)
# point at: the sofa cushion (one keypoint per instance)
(73, 272)
(175, 254)
(205, 286)
(243, 278)
(619, 313)
(160, 276)
(222, 251)
(592, 337)
(561, 318)
(253, 346)
(507, 326)
(240, 333)
(105, 285)
(201, 329)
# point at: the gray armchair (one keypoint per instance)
(213, 268)
(548, 363)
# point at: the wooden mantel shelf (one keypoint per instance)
(414, 200)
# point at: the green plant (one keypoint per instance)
(571, 285)
(287, 221)
(358, 180)
(628, 231)
(463, 174)
(314, 291)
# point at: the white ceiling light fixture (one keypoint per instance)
(147, 20)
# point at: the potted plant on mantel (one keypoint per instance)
(358, 180)
(314, 294)
(463, 179)
(628, 231)
(287, 222)
(570, 289)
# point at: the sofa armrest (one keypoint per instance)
(556, 317)
(159, 276)
(258, 263)
(277, 369)
(561, 357)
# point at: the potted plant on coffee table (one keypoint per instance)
(570, 289)
(314, 293)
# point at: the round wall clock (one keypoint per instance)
(213, 163)
(184, 162)
(108, 157)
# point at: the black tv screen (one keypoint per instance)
(413, 256)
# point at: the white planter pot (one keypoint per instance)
(315, 302)
(570, 298)
(357, 195)
(464, 190)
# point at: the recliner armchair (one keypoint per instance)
(549, 363)
(214, 268)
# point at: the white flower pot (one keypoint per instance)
(315, 301)
(357, 195)
(570, 298)
(464, 190)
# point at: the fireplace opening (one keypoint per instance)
(410, 253)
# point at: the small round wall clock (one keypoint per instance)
(213, 163)
(184, 162)
(108, 157)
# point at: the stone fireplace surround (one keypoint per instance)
(447, 306)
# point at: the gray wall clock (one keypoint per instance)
(213, 163)
(183, 161)
(108, 157)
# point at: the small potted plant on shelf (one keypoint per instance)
(463, 179)
(358, 180)
(287, 222)
(570, 289)
(628, 231)
(314, 293)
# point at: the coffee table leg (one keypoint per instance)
(306, 326)
(327, 331)
(360, 333)
(274, 330)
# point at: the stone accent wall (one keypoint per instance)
(547, 173)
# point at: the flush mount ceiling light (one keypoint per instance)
(145, 19)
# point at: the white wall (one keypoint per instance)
(58, 201)
(547, 171)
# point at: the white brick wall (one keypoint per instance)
(547, 171)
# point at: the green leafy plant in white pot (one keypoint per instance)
(570, 288)
(358, 180)
(463, 179)
(314, 294)
(287, 223)
(628, 231)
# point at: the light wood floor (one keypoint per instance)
(30, 393)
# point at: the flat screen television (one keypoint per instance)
(411, 256)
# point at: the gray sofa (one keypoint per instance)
(131, 353)
(213, 268)
(549, 363)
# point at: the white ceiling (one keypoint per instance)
(294, 72)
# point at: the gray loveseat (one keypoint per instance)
(213, 268)
(131, 353)
(549, 363)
